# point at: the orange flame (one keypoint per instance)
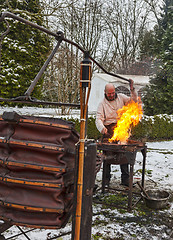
(128, 116)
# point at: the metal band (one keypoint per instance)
(85, 80)
(86, 64)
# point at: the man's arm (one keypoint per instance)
(100, 119)
(133, 92)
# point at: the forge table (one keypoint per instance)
(112, 154)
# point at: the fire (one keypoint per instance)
(128, 116)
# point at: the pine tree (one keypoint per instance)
(23, 50)
(159, 97)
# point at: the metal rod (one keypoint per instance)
(76, 105)
(143, 190)
(130, 187)
(23, 233)
(104, 70)
(104, 176)
(144, 153)
(19, 234)
(8, 14)
(40, 73)
(20, 19)
(134, 205)
(61, 235)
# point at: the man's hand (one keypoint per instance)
(131, 84)
(104, 131)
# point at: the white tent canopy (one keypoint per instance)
(99, 80)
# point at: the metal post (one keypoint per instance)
(40, 73)
(144, 153)
(104, 176)
(130, 187)
(85, 82)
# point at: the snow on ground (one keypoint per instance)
(116, 225)
(159, 164)
(159, 174)
(160, 161)
(159, 171)
(42, 112)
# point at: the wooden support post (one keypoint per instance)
(85, 87)
(87, 193)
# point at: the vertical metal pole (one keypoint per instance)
(144, 153)
(85, 82)
(130, 187)
(131, 159)
(104, 176)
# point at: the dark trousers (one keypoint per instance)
(124, 173)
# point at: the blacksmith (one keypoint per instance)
(106, 119)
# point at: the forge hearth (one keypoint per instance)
(130, 145)
(113, 153)
(116, 150)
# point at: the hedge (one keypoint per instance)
(154, 128)
(148, 129)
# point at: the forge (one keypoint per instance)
(112, 154)
(130, 145)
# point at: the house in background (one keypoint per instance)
(99, 80)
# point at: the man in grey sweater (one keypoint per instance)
(106, 119)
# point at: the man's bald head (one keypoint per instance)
(109, 87)
(110, 92)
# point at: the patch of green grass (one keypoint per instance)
(115, 198)
(100, 221)
(97, 236)
(141, 214)
(169, 152)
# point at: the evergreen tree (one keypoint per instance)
(159, 97)
(23, 50)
